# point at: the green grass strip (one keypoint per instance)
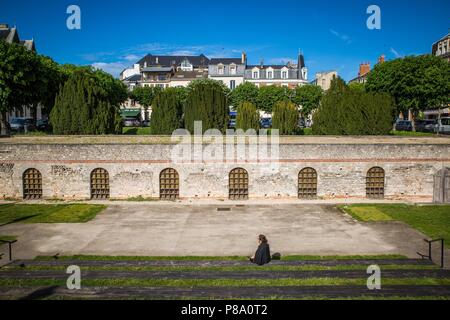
(221, 282)
(48, 213)
(224, 269)
(7, 238)
(432, 220)
(206, 258)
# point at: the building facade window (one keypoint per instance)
(232, 84)
(375, 183)
(269, 74)
(169, 184)
(99, 184)
(232, 69)
(307, 184)
(32, 184)
(284, 74)
(255, 75)
(238, 184)
(220, 69)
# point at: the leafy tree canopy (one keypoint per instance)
(308, 97)
(416, 82)
(246, 92)
(269, 95)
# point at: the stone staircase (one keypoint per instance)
(222, 279)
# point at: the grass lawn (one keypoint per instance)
(136, 131)
(226, 258)
(7, 238)
(412, 134)
(431, 220)
(154, 282)
(48, 213)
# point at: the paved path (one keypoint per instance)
(182, 229)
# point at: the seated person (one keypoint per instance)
(262, 255)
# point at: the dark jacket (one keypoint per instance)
(262, 255)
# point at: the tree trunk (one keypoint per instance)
(3, 124)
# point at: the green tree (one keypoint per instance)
(285, 117)
(207, 102)
(167, 112)
(351, 112)
(246, 92)
(417, 82)
(269, 95)
(247, 117)
(308, 97)
(19, 79)
(356, 86)
(84, 106)
(145, 96)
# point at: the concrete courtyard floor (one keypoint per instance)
(154, 229)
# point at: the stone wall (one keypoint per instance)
(134, 169)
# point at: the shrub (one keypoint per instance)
(247, 117)
(285, 117)
(167, 112)
(353, 112)
(206, 102)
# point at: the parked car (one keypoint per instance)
(22, 124)
(146, 123)
(266, 123)
(131, 122)
(232, 120)
(43, 125)
(426, 125)
(403, 125)
(443, 126)
(301, 123)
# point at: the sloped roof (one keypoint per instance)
(226, 61)
(167, 61)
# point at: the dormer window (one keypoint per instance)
(269, 73)
(255, 73)
(233, 69)
(186, 65)
(284, 74)
(220, 69)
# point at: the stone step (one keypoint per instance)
(216, 263)
(224, 292)
(201, 274)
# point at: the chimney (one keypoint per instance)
(244, 58)
(381, 59)
(364, 68)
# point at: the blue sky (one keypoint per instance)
(331, 34)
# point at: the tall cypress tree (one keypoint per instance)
(83, 106)
(247, 116)
(167, 112)
(285, 117)
(206, 102)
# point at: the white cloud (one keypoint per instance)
(396, 53)
(114, 68)
(341, 36)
